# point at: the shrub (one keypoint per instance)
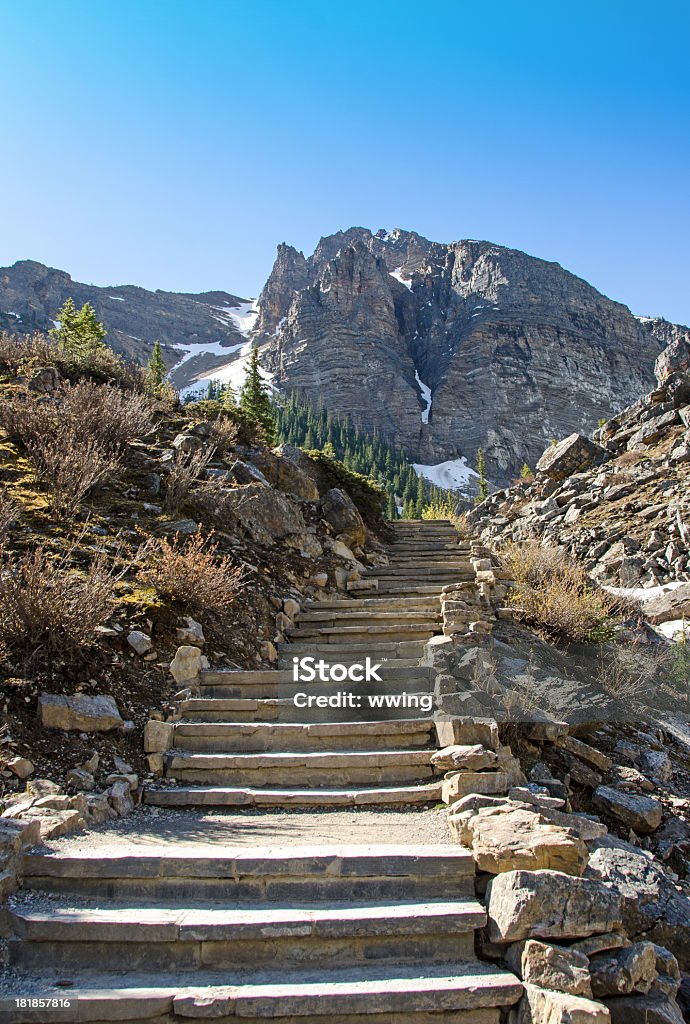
(105, 414)
(76, 438)
(101, 413)
(50, 608)
(9, 509)
(554, 595)
(21, 353)
(189, 572)
(186, 470)
(70, 467)
(224, 434)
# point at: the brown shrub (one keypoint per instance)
(101, 413)
(554, 595)
(50, 608)
(26, 419)
(105, 414)
(187, 469)
(9, 510)
(76, 438)
(223, 435)
(189, 572)
(70, 468)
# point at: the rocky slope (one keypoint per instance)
(447, 348)
(201, 329)
(619, 502)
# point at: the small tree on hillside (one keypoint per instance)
(80, 333)
(156, 369)
(255, 399)
(481, 473)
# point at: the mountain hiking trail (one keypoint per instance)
(290, 864)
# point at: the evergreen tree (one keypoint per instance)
(156, 369)
(255, 400)
(392, 511)
(525, 472)
(421, 498)
(481, 473)
(80, 333)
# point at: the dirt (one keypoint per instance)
(152, 826)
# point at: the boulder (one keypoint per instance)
(158, 736)
(652, 908)
(340, 511)
(473, 756)
(246, 473)
(550, 905)
(80, 712)
(542, 1006)
(266, 514)
(21, 767)
(191, 633)
(643, 814)
(625, 971)
(458, 784)
(509, 837)
(601, 943)
(667, 603)
(467, 731)
(140, 642)
(120, 797)
(644, 1009)
(186, 665)
(288, 469)
(79, 778)
(571, 455)
(675, 358)
(554, 967)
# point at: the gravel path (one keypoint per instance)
(148, 826)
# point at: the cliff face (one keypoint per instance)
(514, 350)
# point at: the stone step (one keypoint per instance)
(416, 561)
(395, 675)
(350, 653)
(314, 770)
(402, 586)
(424, 993)
(228, 796)
(285, 709)
(422, 574)
(135, 938)
(256, 737)
(374, 603)
(429, 612)
(242, 874)
(381, 632)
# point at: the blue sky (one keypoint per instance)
(174, 143)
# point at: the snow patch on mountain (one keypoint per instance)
(426, 397)
(453, 475)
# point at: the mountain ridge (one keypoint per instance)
(440, 347)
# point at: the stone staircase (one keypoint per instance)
(337, 935)
(165, 933)
(244, 740)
